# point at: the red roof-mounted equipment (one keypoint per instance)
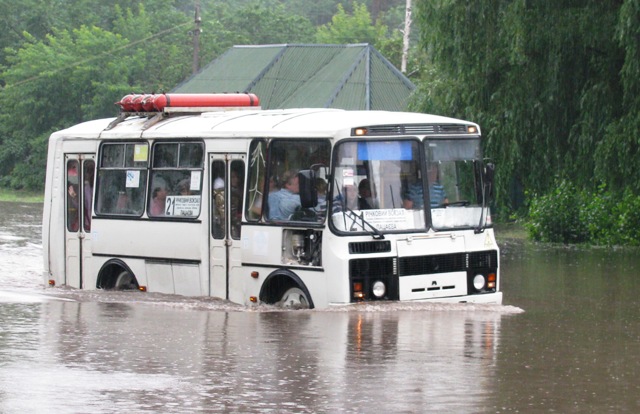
(157, 107)
(196, 102)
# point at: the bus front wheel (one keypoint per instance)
(294, 298)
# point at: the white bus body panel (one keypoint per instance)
(182, 263)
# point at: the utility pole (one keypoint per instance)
(196, 39)
(405, 37)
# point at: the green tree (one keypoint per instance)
(50, 85)
(351, 28)
(76, 75)
(359, 28)
(542, 79)
(618, 154)
(258, 23)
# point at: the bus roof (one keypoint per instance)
(310, 122)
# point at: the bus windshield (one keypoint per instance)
(454, 178)
(385, 185)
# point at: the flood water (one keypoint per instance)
(566, 340)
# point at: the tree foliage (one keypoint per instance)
(258, 23)
(551, 83)
(351, 28)
(358, 27)
(63, 65)
(73, 75)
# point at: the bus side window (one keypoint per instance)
(293, 163)
(121, 179)
(176, 180)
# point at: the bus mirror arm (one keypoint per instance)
(482, 223)
(487, 192)
(489, 172)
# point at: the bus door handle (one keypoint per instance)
(228, 242)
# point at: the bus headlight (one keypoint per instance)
(478, 282)
(379, 289)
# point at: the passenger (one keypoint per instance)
(158, 197)
(365, 198)
(72, 207)
(184, 187)
(437, 194)
(73, 197)
(218, 200)
(414, 196)
(285, 201)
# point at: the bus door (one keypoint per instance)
(226, 185)
(79, 178)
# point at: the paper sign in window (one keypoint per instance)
(195, 180)
(133, 179)
(140, 153)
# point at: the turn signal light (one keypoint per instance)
(253, 299)
(255, 274)
(357, 290)
(142, 288)
(491, 281)
(52, 282)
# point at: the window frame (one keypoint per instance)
(168, 170)
(122, 195)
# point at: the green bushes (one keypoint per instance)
(569, 215)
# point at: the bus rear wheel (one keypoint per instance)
(125, 280)
(294, 298)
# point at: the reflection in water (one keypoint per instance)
(91, 357)
(575, 349)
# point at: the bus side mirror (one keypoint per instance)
(489, 172)
(308, 192)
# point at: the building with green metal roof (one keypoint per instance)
(353, 76)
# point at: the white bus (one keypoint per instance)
(208, 195)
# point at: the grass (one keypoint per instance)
(21, 196)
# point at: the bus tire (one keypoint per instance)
(125, 280)
(116, 275)
(285, 289)
(294, 298)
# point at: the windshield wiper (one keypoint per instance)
(375, 233)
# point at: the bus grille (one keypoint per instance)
(370, 247)
(372, 268)
(446, 263)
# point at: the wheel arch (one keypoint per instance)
(109, 272)
(278, 282)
